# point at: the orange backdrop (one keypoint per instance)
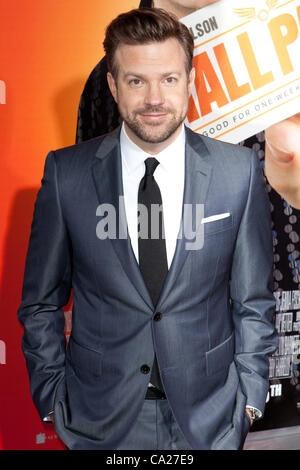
(47, 50)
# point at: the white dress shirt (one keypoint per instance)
(169, 176)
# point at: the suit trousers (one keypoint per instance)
(155, 429)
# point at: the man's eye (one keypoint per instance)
(171, 80)
(135, 82)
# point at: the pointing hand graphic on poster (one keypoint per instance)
(247, 68)
(248, 80)
(282, 159)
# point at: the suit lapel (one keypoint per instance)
(107, 175)
(197, 178)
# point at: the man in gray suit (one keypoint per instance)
(171, 326)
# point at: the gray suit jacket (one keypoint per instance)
(216, 331)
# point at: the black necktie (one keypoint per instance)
(152, 250)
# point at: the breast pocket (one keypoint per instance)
(212, 226)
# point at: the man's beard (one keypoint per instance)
(151, 132)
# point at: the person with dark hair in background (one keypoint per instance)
(162, 234)
(98, 114)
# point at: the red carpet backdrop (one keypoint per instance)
(47, 50)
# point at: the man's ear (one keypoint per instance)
(191, 80)
(112, 86)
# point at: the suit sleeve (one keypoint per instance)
(46, 289)
(251, 289)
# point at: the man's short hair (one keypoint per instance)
(144, 26)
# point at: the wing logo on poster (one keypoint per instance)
(247, 69)
(262, 15)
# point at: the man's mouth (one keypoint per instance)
(153, 117)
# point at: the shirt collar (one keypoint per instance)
(134, 157)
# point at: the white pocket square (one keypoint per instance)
(212, 218)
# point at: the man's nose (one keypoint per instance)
(154, 95)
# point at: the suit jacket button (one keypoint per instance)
(145, 369)
(158, 316)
